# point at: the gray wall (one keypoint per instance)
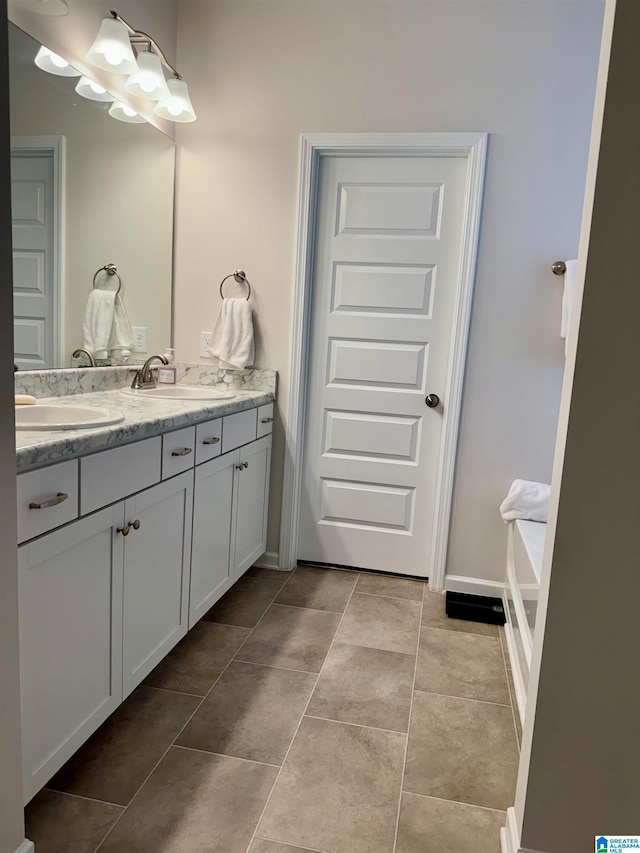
(11, 823)
(523, 71)
(580, 770)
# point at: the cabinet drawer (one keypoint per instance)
(265, 420)
(239, 429)
(47, 498)
(111, 475)
(208, 440)
(178, 451)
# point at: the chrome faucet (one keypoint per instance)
(77, 353)
(143, 377)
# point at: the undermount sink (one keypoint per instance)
(179, 392)
(64, 417)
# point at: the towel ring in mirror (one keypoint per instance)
(241, 277)
(110, 269)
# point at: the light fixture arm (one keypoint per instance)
(138, 37)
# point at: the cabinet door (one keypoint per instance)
(211, 550)
(70, 594)
(156, 575)
(252, 484)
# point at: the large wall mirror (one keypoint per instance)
(87, 191)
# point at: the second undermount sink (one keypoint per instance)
(179, 392)
(64, 417)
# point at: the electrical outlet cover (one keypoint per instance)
(205, 340)
(139, 338)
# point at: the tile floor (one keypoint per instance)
(320, 710)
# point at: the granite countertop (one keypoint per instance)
(142, 419)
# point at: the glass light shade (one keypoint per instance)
(177, 107)
(149, 81)
(49, 61)
(88, 88)
(112, 49)
(124, 113)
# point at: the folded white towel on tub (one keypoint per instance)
(527, 500)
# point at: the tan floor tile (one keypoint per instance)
(252, 712)
(381, 623)
(434, 616)
(370, 687)
(514, 705)
(291, 637)
(116, 760)
(438, 826)
(464, 665)
(198, 659)
(245, 602)
(194, 802)
(260, 845)
(338, 790)
(462, 750)
(321, 589)
(61, 823)
(268, 574)
(385, 585)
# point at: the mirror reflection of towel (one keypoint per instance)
(232, 338)
(106, 325)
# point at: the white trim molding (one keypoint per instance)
(26, 847)
(472, 586)
(269, 560)
(510, 835)
(313, 147)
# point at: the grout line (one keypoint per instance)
(224, 755)
(456, 631)
(394, 597)
(297, 847)
(406, 746)
(456, 802)
(167, 690)
(355, 725)
(195, 711)
(302, 607)
(273, 666)
(81, 797)
(462, 698)
(295, 734)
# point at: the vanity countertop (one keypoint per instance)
(142, 419)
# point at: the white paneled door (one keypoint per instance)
(388, 248)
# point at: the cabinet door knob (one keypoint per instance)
(245, 464)
(58, 499)
(124, 530)
(184, 452)
(213, 440)
(266, 420)
(239, 467)
(136, 524)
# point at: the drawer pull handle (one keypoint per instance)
(266, 420)
(184, 452)
(213, 440)
(59, 498)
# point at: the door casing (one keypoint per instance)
(472, 146)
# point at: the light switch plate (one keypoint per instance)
(139, 338)
(205, 340)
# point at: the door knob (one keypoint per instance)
(432, 400)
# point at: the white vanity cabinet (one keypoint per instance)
(162, 533)
(70, 589)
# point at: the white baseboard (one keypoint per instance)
(510, 836)
(26, 847)
(516, 669)
(269, 560)
(474, 586)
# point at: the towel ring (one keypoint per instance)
(110, 269)
(241, 277)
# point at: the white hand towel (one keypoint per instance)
(527, 500)
(232, 338)
(98, 322)
(567, 300)
(121, 339)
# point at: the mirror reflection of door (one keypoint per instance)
(36, 216)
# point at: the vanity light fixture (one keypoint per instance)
(88, 88)
(116, 38)
(125, 113)
(49, 61)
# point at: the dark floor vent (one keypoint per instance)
(475, 608)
